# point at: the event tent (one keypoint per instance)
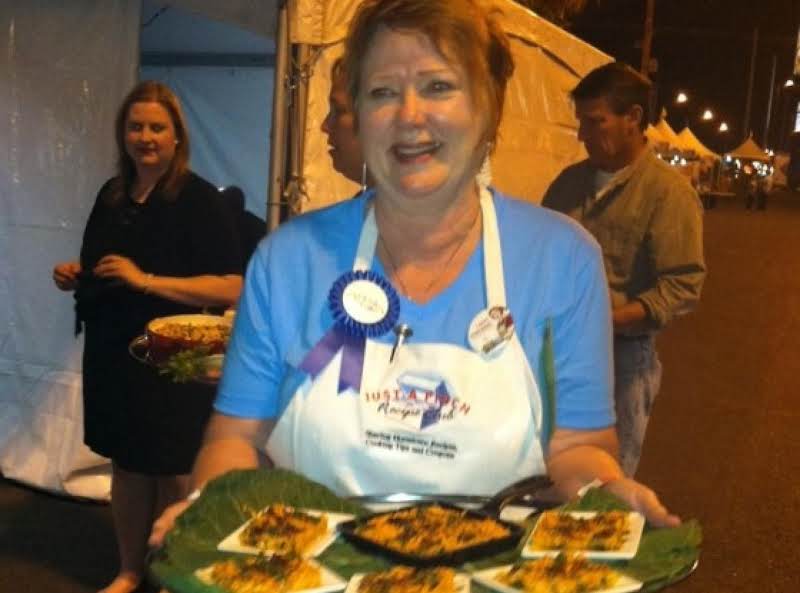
(749, 150)
(689, 142)
(656, 138)
(67, 66)
(668, 134)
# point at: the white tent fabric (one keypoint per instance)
(655, 138)
(690, 142)
(666, 131)
(749, 150)
(65, 68)
(538, 135)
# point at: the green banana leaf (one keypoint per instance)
(665, 555)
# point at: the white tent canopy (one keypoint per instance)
(656, 138)
(668, 134)
(749, 150)
(690, 142)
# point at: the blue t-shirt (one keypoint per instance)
(553, 271)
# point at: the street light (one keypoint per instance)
(788, 84)
(723, 127)
(681, 98)
(708, 115)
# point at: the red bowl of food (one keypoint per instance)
(169, 335)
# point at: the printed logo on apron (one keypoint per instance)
(418, 401)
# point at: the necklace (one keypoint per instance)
(433, 282)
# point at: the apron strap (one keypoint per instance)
(492, 257)
(367, 241)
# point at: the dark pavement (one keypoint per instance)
(723, 446)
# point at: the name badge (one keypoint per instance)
(491, 330)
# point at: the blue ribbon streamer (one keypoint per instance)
(348, 335)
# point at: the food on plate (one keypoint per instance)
(283, 529)
(167, 336)
(430, 530)
(404, 579)
(565, 573)
(195, 333)
(262, 574)
(603, 531)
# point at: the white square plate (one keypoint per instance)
(232, 544)
(487, 579)
(461, 583)
(627, 551)
(330, 580)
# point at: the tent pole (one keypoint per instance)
(277, 160)
(647, 38)
(294, 190)
(765, 142)
(748, 104)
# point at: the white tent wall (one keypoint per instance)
(65, 68)
(538, 134)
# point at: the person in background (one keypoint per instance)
(426, 253)
(339, 125)
(159, 241)
(763, 191)
(250, 227)
(648, 221)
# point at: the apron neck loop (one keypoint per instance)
(492, 257)
(367, 241)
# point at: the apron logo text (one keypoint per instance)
(411, 444)
(415, 408)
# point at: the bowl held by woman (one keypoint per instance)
(167, 336)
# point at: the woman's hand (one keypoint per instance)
(166, 522)
(65, 275)
(123, 269)
(644, 500)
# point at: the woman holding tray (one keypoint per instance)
(359, 355)
(158, 242)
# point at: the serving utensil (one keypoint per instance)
(531, 491)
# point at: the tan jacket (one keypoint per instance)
(648, 221)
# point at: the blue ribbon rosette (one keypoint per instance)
(364, 305)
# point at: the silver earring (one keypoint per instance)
(363, 177)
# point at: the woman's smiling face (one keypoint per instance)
(419, 129)
(150, 136)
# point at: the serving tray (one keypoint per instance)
(455, 558)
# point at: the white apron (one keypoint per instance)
(438, 419)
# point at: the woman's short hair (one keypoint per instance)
(623, 86)
(151, 91)
(463, 31)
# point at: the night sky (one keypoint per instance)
(704, 47)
